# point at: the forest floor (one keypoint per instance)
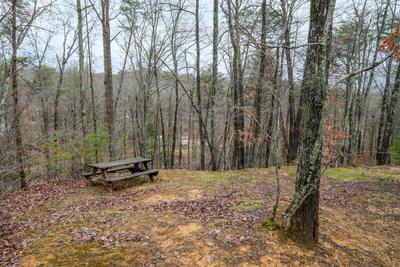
(195, 218)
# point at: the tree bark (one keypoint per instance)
(260, 79)
(108, 86)
(81, 68)
(380, 159)
(198, 90)
(292, 151)
(300, 220)
(390, 118)
(237, 88)
(15, 97)
(214, 81)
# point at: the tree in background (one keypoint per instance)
(390, 43)
(108, 83)
(16, 105)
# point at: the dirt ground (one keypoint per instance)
(194, 218)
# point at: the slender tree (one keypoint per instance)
(384, 157)
(236, 84)
(198, 89)
(108, 84)
(214, 82)
(15, 96)
(81, 67)
(261, 75)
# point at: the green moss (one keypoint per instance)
(270, 225)
(248, 204)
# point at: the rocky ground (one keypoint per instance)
(194, 218)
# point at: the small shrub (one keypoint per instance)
(394, 150)
(270, 225)
(93, 143)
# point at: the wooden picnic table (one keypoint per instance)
(137, 166)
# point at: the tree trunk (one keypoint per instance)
(214, 81)
(108, 86)
(300, 220)
(198, 90)
(81, 68)
(237, 88)
(380, 159)
(91, 80)
(390, 116)
(292, 151)
(15, 97)
(260, 79)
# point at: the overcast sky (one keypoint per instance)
(65, 8)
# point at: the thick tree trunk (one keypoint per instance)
(300, 220)
(15, 97)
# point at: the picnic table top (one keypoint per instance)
(106, 165)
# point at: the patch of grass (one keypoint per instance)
(289, 170)
(64, 251)
(248, 204)
(270, 225)
(346, 174)
(361, 173)
(379, 199)
(198, 177)
(35, 212)
(22, 217)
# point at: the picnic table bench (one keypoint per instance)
(137, 166)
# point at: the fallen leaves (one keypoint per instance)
(108, 239)
(206, 209)
(17, 203)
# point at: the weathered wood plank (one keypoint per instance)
(107, 165)
(151, 173)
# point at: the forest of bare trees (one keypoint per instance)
(191, 84)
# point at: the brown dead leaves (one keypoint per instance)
(108, 239)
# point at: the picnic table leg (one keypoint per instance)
(151, 176)
(145, 165)
(135, 168)
(109, 185)
(94, 171)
